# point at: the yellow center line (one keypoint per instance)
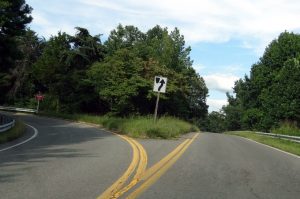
(139, 163)
(163, 161)
(154, 177)
(121, 181)
(150, 171)
(140, 171)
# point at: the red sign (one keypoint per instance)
(39, 97)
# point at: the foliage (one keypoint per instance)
(79, 73)
(215, 122)
(164, 127)
(13, 19)
(271, 93)
(124, 78)
(62, 70)
(287, 128)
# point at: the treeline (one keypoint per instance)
(270, 95)
(80, 73)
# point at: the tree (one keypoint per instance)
(118, 80)
(14, 15)
(31, 47)
(271, 93)
(123, 37)
(233, 113)
(215, 122)
(62, 70)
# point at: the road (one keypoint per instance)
(72, 160)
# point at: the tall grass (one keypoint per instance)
(13, 133)
(287, 128)
(164, 127)
(145, 127)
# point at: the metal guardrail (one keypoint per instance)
(6, 123)
(288, 137)
(9, 108)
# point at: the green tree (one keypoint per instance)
(271, 93)
(31, 47)
(62, 69)
(14, 15)
(215, 122)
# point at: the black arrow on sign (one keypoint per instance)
(157, 79)
(162, 82)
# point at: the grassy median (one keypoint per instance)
(285, 145)
(15, 132)
(142, 127)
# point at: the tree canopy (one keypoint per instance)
(80, 73)
(271, 94)
(14, 16)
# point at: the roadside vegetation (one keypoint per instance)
(287, 128)
(81, 73)
(139, 126)
(13, 133)
(285, 145)
(268, 99)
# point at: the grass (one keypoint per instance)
(287, 129)
(285, 145)
(142, 127)
(165, 127)
(13, 133)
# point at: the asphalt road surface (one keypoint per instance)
(71, 160)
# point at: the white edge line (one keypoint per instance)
(296, 156)
(32, 137)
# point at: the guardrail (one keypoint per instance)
(6, 123)
(9, 108)
(288, 137)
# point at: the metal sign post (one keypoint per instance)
(37, 107)
(38, 97)
(160, 84)
(156, 106)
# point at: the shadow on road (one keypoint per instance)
(56, 139)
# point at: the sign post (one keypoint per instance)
(38, 97)
(156, 106)
(160, 84)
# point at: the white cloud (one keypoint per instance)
(207, 20)
(220, 82)
(216, 104)
(255, 22)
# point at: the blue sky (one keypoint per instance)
(226, 36)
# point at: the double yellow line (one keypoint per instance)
(145, 177)
(138, 163)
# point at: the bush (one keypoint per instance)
(287, 128)
(165, 127)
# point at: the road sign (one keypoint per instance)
(39, 97)
(160, 84)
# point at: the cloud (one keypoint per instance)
(220, 82)
(255, 22)
(216, 104)
(212, 21)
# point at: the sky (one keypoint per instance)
(226, 36)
